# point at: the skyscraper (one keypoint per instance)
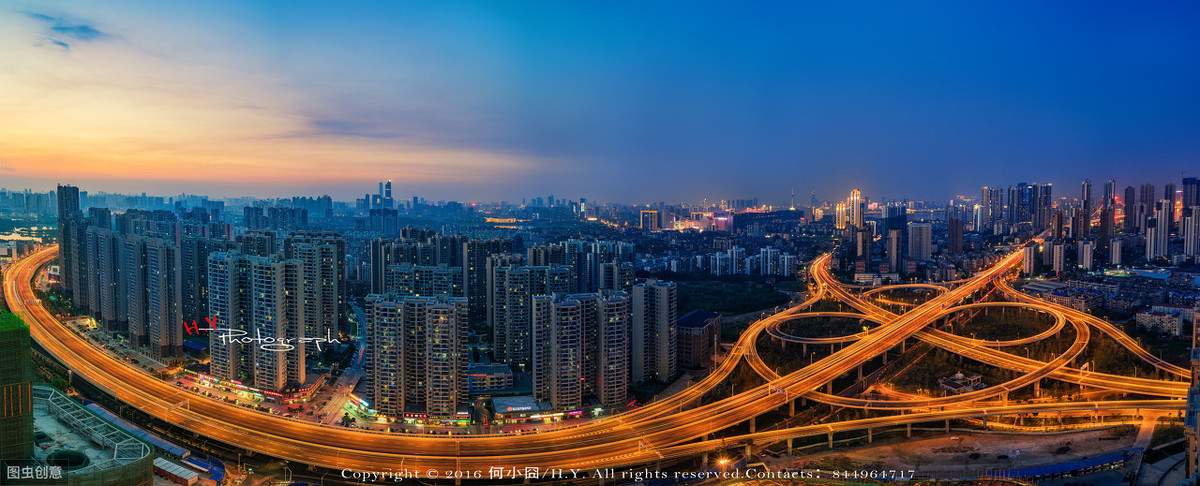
(653, 321)
(68, 214)
(1130, 211)
(557, 351)
(920, 241)
(854, 208)
(954, 234)
(1085, 199)
(1191, 231)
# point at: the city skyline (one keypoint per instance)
(478, 102)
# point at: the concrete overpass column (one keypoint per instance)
(803, 349)
(947, 426)
(789, 446)
(792, 407)
(870, 435)
(860, 372)
(908, 430)
(753, 424)
(903, 345)
(829, 388)
(1037, 389)
(831, 439)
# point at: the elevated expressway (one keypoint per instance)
(676, 426)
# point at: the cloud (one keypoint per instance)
(60, 30)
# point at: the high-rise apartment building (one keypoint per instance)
(261, 298)
(417, 354)
(654, 311)
(323, 255)
(512, 289)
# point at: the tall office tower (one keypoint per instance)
(192, 271)
(1085, 200)
(1129, 210)
(1155, 235)
(1169, 198)
(653, 320)
(1162, 211)
(893, 249)
(16, 390)
(1079, 224)
(1191, 192)
(1114, 251)
(1147, 198)
(474, 264)
(163, 329)
(1191, 231)
(954, 234)
(416, 354)
(920, 241)
(513, 288)
(984, 214)
(257, 242)
(1110, 192)
(895, 216)
(1084, 255)
(1047, 253)
(616, 276)
(1059, 257)
(323, 254)
(557, 352)
(262, 297)
(1029, 260)
(854, 208)
(388, 202)
(68, 213)
(1043, 201)
(650, 220)
(1056, 223)
(423, 280)
(840, 218)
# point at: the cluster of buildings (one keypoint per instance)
(570, 315)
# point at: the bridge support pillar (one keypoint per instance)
(792, 408)
(789, 446)
(885, 356)
(803, 349)
(829, 388)
(870, 435)
(1037, 389)
(903, 345)
(831, 439)
(747, 454)
(860, 372)
(947, 426)
(908, 430)
(753, 424)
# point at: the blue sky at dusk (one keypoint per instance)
(629, 101)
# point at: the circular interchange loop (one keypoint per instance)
(939, 289)
(773, 328)
(1060, 321)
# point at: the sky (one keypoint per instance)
(613, 101)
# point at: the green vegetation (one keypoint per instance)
(10, 321)
(727, 297)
